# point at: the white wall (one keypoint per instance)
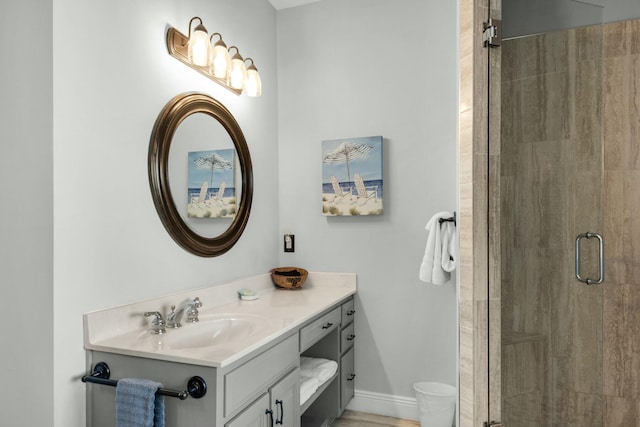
(77, 130)
(361, 68)
(112, 76)
(26, 219)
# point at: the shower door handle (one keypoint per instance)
(589, 235)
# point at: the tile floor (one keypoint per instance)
(361, 419)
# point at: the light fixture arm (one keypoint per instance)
(199, 25)
(237, 54)
(219, 41)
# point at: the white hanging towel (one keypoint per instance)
(440, 252)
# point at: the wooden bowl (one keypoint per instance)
(289, 277)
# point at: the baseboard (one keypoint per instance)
(384, 404)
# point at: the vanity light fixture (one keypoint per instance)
(238, 73)
(220, 60)
(254, 84)
(199, 44)
(213, 59)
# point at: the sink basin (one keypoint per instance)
(213, 330)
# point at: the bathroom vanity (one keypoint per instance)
(247, 352)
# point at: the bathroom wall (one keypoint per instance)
(112, 76)
(361, 68)
(82, 116)
(26, 213)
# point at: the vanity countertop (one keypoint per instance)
(125, 330)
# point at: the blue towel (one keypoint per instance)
(137, 404)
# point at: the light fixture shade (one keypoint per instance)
(199, 46)
(238, 74)
(254, 84)
(220, 61)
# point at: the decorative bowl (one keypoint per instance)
(289, 277)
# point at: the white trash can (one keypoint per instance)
(436, 404)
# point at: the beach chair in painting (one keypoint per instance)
(201, 198)
(340, 193)
(218, 197)
(363, 193)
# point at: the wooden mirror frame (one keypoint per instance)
(176, 110)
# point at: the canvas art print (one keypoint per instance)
(211, 191)
(352, 176)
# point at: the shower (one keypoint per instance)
(566, 192)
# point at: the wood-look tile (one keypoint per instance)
(588, 110)
(589, 410)
(587, 351)
(616, 111)
(616, 39)
(632, 334)
(563, 400)
(614, 229)
(633, 30)
(621, 412)
(616, 346)
(545, 108)
(633, 152)
(589, 42)
(631, 236)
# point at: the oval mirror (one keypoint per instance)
(200, 174)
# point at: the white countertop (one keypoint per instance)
(125, 330)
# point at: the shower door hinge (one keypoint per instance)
(493, 424)
(491, 35)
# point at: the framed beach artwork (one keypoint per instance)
(352, 176)
(211, 184)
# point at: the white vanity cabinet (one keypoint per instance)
(252, 382)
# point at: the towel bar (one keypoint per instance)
(452, 219)
(196, 386)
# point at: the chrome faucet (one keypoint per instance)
(190, 307)
(157, 324)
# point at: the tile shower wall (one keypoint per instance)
(622, 224)
(569, 351)
(551, 154)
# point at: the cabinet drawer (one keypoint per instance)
(257, 375)
(347, 377)
(311, 333)
(346, 338)
(348, 312)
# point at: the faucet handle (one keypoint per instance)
(157, 324)
(192, 310)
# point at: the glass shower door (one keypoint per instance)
(547, 190)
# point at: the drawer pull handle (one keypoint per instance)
(269, 412)
(351, 377)
(351, 312)
(351, 337)
(279, 420)
(327, 325)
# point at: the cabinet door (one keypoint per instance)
(256, 415)
(347, 376)
(285, 400)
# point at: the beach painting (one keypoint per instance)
(211, 184)
(352, 176)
